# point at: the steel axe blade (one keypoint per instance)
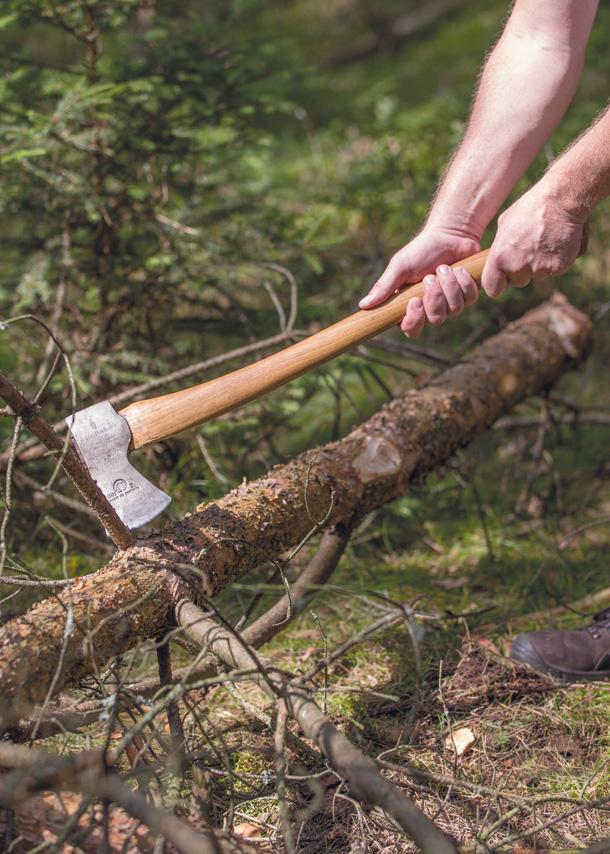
(102, 438)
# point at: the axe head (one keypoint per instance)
(102, 438)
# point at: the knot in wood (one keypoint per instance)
(379, 458)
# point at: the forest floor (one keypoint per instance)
(546, 745)
(512, 536)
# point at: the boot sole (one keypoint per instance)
(524, 652)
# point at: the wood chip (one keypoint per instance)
(246, 830)
(460, 740)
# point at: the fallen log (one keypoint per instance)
(66, 637)
(320, 567)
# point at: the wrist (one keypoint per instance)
(452, 233)
(457, 224)
(563, 191)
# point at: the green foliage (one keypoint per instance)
(149, 124)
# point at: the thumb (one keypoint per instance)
(493, 279)
(395, 274)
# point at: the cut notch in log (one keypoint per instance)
(133, 596)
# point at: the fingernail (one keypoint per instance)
(365, 301)
(416, 302)
(429, 279)
(443, 269)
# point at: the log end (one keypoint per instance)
(572, 326)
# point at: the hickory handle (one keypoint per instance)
(161, 417)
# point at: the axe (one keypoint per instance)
(104, 437)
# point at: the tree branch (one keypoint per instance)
(70, 462)
(365, 781)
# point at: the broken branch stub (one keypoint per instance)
(132, 597)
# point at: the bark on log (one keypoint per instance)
(75, 716)
(134, 595)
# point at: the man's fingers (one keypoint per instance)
(493, 280)
(394, 275)
(450, 288)
(445, 293)
(520, 280)
(414, 319)
(435, 304)
(470, 292)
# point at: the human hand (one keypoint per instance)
(446, 293)
(536, 238)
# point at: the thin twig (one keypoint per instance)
(74, 468)
(280, 778)
(366, 783)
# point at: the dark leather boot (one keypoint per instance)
(582, 655)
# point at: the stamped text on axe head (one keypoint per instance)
(103, 437)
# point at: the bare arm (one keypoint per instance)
(543, 232)
(580, 178)
(527, 83)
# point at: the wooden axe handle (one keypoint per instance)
(161, 417)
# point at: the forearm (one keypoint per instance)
(527, 84)
(525, 88)
(580, 178)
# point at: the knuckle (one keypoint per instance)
(504, 262)
(492, 267)
(399, 261)
(451, 288)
